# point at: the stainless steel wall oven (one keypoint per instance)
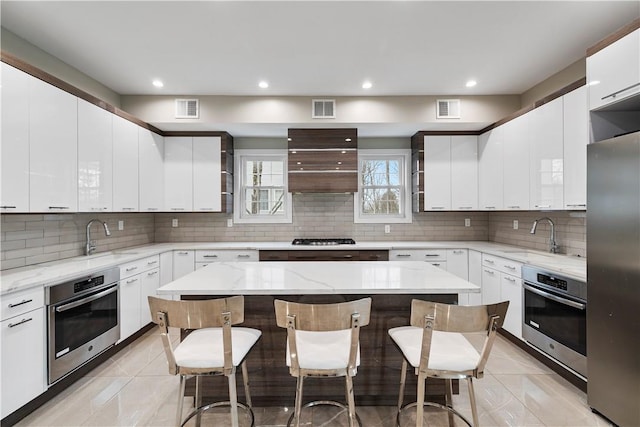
(555, 316)
(82, 319)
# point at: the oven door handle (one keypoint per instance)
(556, 298)
(78, 303)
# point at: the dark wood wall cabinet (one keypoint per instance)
(325, 255)
(417, 172)
(323, 160)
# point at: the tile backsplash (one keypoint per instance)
(28, 239)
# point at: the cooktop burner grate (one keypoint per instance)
(323, 242)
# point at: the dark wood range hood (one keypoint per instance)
(323, 160)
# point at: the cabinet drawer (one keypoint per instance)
(227, 256)
(418, 255)
(503, 265)
(22, 301)
(139, 266)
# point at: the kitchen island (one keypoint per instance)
(391, 285)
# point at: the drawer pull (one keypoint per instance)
(577, 205)
(489, 271)
(151, 273)
(128, 209)
(489, 207)
(614, 94)
(511, 279)
(437, 207)
(513, 207)
(13, 325)
(244, 256)
(436, 264)
(510, 267)
(152, 262)
(458, 252)
(209, 256)
(177, 209)
(183, 253)
(490, 261)
(543, 206)
(431, 255)
(152, 209)
(131, 268)
(403, 255)
(24, 301)
(130, 281)
(59, 207)
(465, 207)
(7, 207)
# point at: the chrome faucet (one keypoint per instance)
(552, 236)
(91, 245)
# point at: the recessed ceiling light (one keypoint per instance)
(263, 84)
(471, 83)
(158, 83)
(366, 85)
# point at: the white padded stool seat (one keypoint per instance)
(323, 350)
(450, 351)
(203, 348)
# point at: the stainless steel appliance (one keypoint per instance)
(555, 316)
(613, 271)
(323, 242)
(82, 320)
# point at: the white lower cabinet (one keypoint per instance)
(183, 263)
(138, 279)
(23, 374)
(475, 277)
(502, 281)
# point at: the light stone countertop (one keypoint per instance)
(54, 272)
(312, 277)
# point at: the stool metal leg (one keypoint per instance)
(245, 379)
(403, 379)
(472, 399)
(198, 399)
(298, 405)
(180, 401)
(422, 379)
(233, 398)
(350, 401)
(448, 400)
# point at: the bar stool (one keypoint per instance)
(435, 347)
(323, 341)
(213, 348)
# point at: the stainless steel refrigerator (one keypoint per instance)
(613, 278)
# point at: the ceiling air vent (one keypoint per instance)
(323, 108)
(448, 109)
(187, 109)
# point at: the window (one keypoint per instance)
(261, 187)
(383, 187)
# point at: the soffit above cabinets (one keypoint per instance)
(323, 160)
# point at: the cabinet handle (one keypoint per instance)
(177, 209)
(458, 252)
(13, 325)
(128, 209)
(151, 273)
(543, 206)
(432, 255)
(183, 253)
(436, 264)
(244, 256)
(489, 207)
(510, 267)
(577, 205)
(465, 207)
(24, 301)
(59, 207)
(513, 207)
(614, 94)
(209, 256)
(7, 207)
(152, 262)
(489, 271)
(490, 261)
(131, 268)
(130, 281)
(205, 209)
(437, 207)
(343, 257)
(152, 209)
(403, 255)
(511, 279)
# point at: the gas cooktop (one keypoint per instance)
(323, 242)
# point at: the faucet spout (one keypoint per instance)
(90, 244)
(553, 246)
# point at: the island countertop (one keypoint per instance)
(296, 278)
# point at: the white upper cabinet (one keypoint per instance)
(151, 170)
(14, 149)
(490, 165)
(95, 158)
(125, 165)
(207, 170)
(576, 138)
(53, 140)
(437, 173)
(178, 173)
(516, 163)
(613, 73)
(546, 156)
(464, 172)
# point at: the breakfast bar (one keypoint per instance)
(391, 285)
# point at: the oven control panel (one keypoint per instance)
(88, 284)
(552, 281)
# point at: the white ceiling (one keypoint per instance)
(316, 48)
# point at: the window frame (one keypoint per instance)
(241, 157)
(406, 214)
